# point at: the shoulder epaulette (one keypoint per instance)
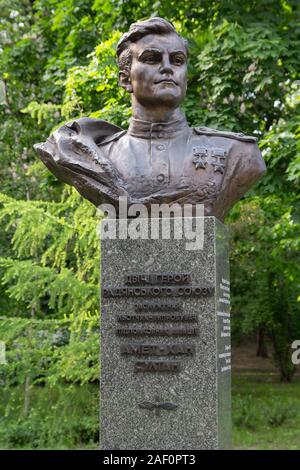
(230, 135)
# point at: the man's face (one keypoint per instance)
(158, 71)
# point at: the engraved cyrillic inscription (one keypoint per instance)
(164, 308)
(132, 349)
(157, 331)
(225, 292)
(157, 366)
(156, 291)
(158, 306)
(173, 317)
(158, 278)
(224, 326)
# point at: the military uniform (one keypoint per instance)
(154, 163)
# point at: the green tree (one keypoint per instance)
(57, 63)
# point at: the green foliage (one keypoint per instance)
(56, 254)
(265, 236)
(279, 413)
(94, 87)
(61, 418)
(244, 414)
(57, 62)
(49, 386)
(249, 413)
(243, 70)
(274, 410)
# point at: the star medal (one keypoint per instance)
(200, 160)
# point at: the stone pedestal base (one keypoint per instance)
(165, 343)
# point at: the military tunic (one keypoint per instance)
(150, 163)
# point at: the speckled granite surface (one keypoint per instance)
(189, 409)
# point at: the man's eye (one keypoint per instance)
(151, 59)
(178, 60)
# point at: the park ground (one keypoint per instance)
(265, 411)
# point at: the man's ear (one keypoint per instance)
(124, 81)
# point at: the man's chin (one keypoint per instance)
(168, 98)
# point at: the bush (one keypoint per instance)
(60, 417)
(23, 433)
(279, 413)
(244, 412)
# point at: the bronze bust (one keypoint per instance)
(159, 159)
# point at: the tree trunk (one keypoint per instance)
(27, 384)
(261, 350)
(26, 395)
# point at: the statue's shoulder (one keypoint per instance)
(82, 135)
(97, 129)
(230, 135)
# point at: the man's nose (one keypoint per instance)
(166, 66)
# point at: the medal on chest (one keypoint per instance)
(203, 157)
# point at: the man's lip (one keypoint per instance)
(167, 80)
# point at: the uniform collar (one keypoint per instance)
(156, 130)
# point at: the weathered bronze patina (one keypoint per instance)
(159, 159)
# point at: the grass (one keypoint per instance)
(266, 413)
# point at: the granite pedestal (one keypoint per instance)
(165, 343)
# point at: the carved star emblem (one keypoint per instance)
(219, 167)
(219, 156)
(199, 162)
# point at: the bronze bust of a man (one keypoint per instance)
(159, 159)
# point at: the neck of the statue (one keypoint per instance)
(155, 113)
